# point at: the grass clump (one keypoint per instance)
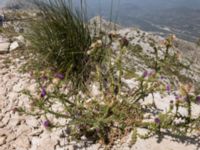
(60, 38)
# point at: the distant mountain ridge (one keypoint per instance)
(16, 4)
(181, 17)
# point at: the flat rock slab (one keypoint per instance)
(4, 47)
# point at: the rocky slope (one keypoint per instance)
(21, 132)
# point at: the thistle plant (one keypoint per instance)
(99, 118)
(117, 110)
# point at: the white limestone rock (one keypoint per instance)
(95, 91)
(4, 47)
(14, 46)
(20, 39)
(130, 83)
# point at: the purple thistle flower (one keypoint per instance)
(177, 97)
(198, 99)
(145, 74)
(157, 120)
(168, 88)
(46, 123)
(43, 92)
(59, 76)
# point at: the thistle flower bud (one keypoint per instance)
(46, 124)
(145, 74)
(43, 92)
(168, 88)
(198, 99)
(157, 120)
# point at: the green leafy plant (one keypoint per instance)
(114, 113)
(62, 41)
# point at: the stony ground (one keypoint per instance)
(17, 131)
(20, 132)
